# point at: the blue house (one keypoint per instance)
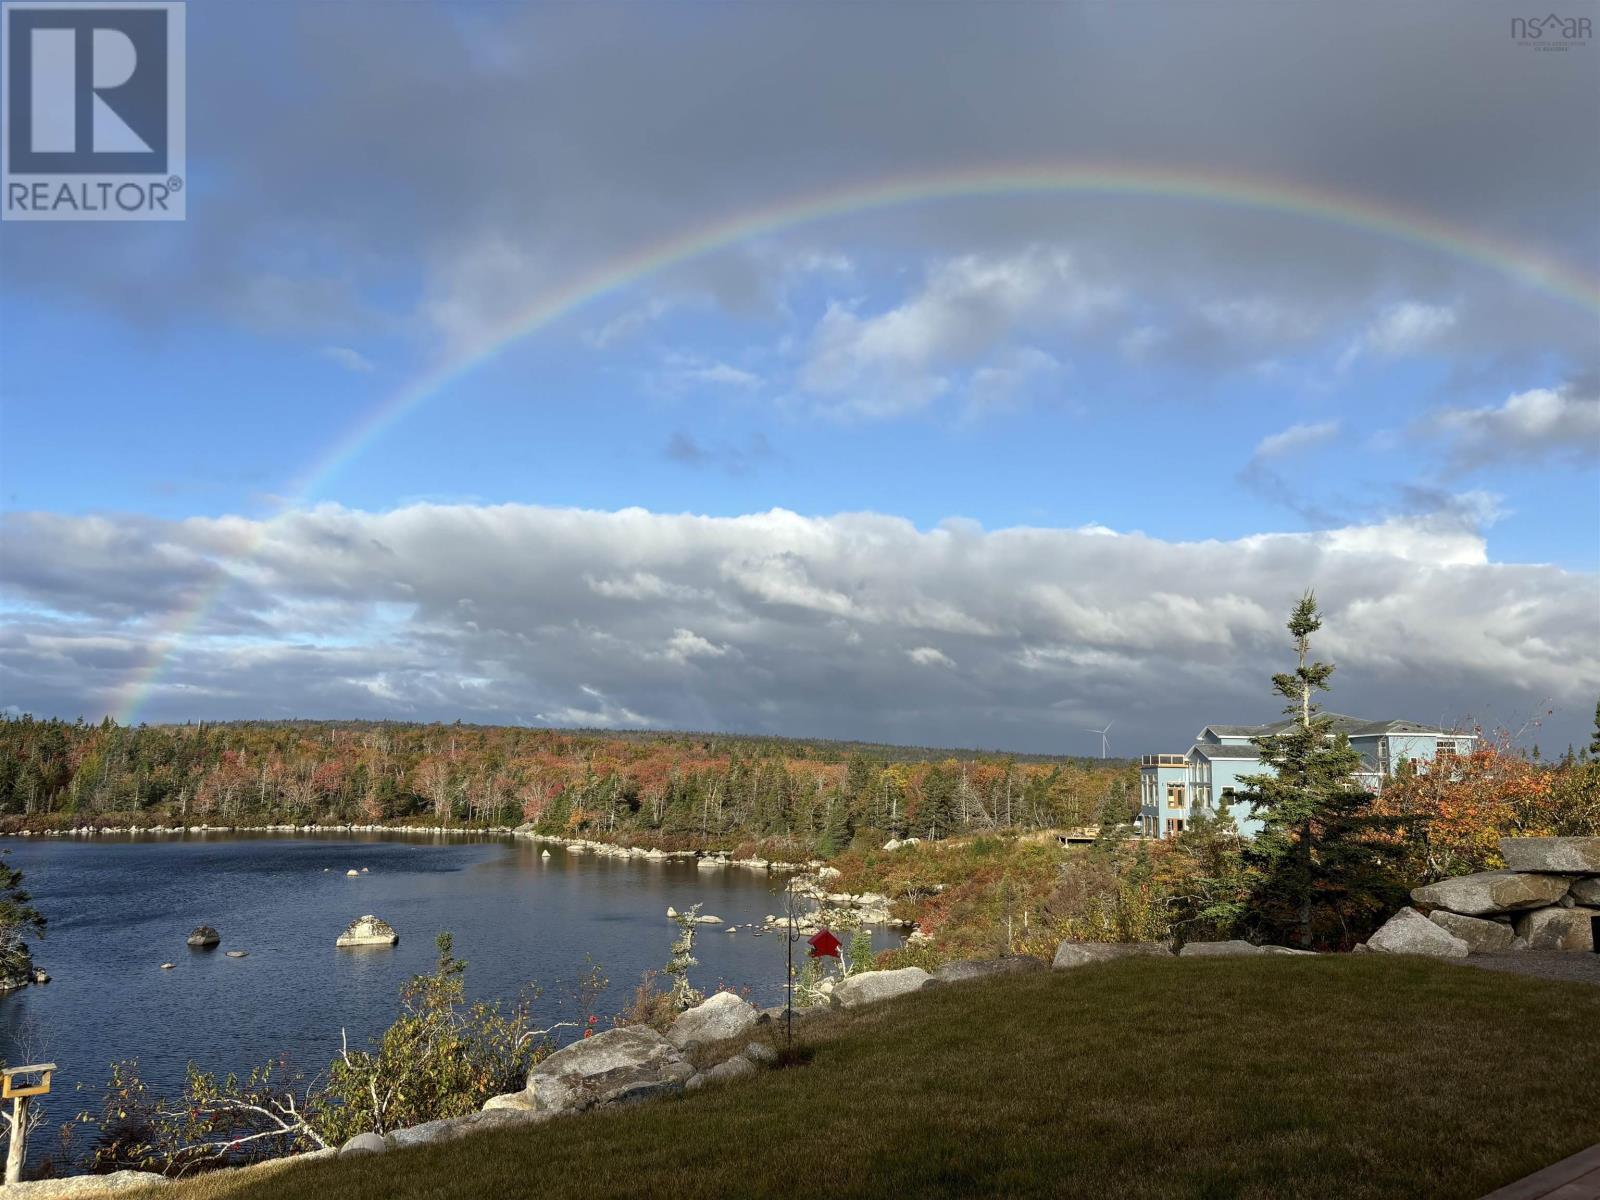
(1210, 773)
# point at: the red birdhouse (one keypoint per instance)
(824, 944)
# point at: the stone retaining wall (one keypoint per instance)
(1545, 899)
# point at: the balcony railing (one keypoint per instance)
(1162, 760)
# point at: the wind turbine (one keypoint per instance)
(1105, 742)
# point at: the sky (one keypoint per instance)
(957, 375)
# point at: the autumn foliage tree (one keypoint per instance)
(1453, 813)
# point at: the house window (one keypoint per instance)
(1174, 826)
(1228, 797)
(1174, 796)
(1445, 748)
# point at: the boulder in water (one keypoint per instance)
(368, 931)
(204, 936)
(236, 953)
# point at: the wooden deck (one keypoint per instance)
(1575, 1178)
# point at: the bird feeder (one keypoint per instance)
(17, 1084)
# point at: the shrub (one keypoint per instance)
(441, 1058)
(212, 1123)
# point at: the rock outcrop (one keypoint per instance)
(1079, 954)
(1231, 949)
(1572, 855)
(368, 931)
(1559, 928)
(718, 1017)
(982, 968)
(735, 1068)
(1409, 932)
(85, 1187)
(364, 1143)
(868, 987)
(618, 1066)
(1492, 892)
(1481, 937)
(450, 1128)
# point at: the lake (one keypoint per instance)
(119, 907)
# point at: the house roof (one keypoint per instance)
(1338, 723)
(1212, 750)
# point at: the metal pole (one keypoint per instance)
(788, 1009)
(19, 1111)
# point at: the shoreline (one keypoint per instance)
(705, 858)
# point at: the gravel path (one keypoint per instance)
(1580, 968)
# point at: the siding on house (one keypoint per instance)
(1211, 772)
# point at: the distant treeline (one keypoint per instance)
(565, 781)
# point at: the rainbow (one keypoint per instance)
(1519, 262)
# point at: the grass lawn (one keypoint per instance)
(1340, 1077)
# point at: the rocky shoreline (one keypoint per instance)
(709, 859)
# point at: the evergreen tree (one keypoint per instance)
(938, 812)
(1594, 742)
(18, 918)
(1321, 860)
(838, 829)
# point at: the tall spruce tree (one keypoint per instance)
(1324, 866)
(1594, 742)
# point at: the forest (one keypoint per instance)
(711, 787)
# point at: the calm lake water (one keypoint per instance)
(120, 907)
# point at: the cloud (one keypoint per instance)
(776, 622)
(630, 322)
(1406, 328)
(899, 360)
(1010, 381)
(735, 458)
(1542, 424)
(1261, 474)
(1296, 437)
(350, 360)
(509, 169)
(681, 373)
(928, 656)
(684, 645)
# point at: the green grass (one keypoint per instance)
(1351, 1077)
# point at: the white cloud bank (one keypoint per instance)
(851, 625)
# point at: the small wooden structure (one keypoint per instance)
(17, 1084)
(1083, 835)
